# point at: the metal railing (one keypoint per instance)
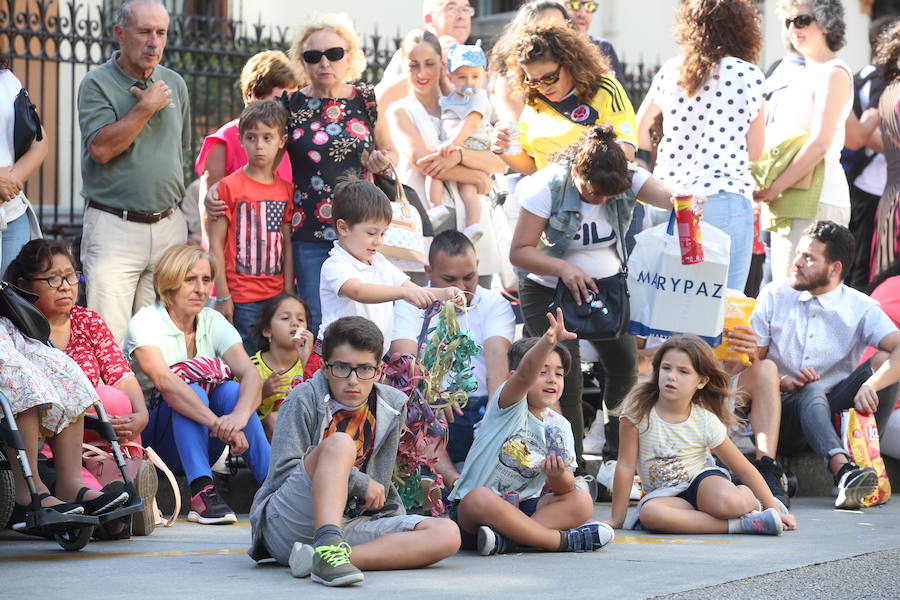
(52, 44)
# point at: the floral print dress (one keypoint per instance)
(33, 374)
(327, 139)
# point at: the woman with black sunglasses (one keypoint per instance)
(333, 130)
(564, 80)
(817, 102)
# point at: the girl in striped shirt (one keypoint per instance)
(669, 426)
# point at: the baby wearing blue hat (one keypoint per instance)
(465, 123)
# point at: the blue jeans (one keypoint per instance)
(244, 318)
(16, 235)
(733, 214)
(186, 446)
(462, 429)
(807, 415)
(308, 259)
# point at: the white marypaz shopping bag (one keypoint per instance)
(668, 297)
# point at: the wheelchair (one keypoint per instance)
(71, 532)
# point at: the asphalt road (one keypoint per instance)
(820, 560)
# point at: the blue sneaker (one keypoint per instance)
(766, 522)
(590, 537)
(490, 542)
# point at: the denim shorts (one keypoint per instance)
(470, 540)
(690, 494)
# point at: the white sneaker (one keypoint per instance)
(474, 232)
(221, 465)
(596, 436)
(607, 474)
(438, 215)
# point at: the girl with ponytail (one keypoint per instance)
(573, 217)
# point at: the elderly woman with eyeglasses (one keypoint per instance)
(562, 77)
(818, 102)
(45, 268)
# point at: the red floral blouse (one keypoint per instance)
(93, 347)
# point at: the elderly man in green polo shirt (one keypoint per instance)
(135, 127)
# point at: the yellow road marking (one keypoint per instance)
(79, 555)
(634, 539)
(622, 539)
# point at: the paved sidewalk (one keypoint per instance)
(211, 562)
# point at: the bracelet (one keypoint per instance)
(782, 378)
(460, 154)
(224, 298)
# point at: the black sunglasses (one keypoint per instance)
(799, 22)
(314, 57)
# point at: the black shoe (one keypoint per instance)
(773, 474)
(19, 518)
(854, 483)
(103, 503)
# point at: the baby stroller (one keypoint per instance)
(71, 532)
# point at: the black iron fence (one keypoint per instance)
(52, 44)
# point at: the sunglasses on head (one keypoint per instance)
(799, 22)
(546, 80)
(575, 5)
(314, 57)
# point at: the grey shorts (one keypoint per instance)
(289, 518)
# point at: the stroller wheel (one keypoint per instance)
(7, 496)
(74, 539)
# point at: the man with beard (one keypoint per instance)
(816, 329)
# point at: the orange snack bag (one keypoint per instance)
(737, 313)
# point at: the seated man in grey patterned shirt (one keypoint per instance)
(816, 329)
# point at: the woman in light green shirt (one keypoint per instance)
(190, 424)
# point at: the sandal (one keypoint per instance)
(103, 503)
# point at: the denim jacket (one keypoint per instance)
(566, 218)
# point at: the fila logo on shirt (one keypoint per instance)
(590, 235)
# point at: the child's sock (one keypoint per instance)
(766, 522)
(325, 533)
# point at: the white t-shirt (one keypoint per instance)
(704, 145)
(455, 107)
(670, 454)
(340, 267)
(795, 113)
(509, 448)
(9, 89)
(490, 316)
(594, 247)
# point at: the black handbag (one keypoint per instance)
(604, 316)
(27, 126)
(387, 184)
(17, 305)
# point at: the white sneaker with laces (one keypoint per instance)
(607, 474)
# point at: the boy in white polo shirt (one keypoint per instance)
(357, 280)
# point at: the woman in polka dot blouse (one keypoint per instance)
(711, 102)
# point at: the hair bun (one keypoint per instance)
(603, 132)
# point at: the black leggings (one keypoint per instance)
(619, 359)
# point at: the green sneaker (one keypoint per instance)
(328, 564)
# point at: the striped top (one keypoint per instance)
(673, 453)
